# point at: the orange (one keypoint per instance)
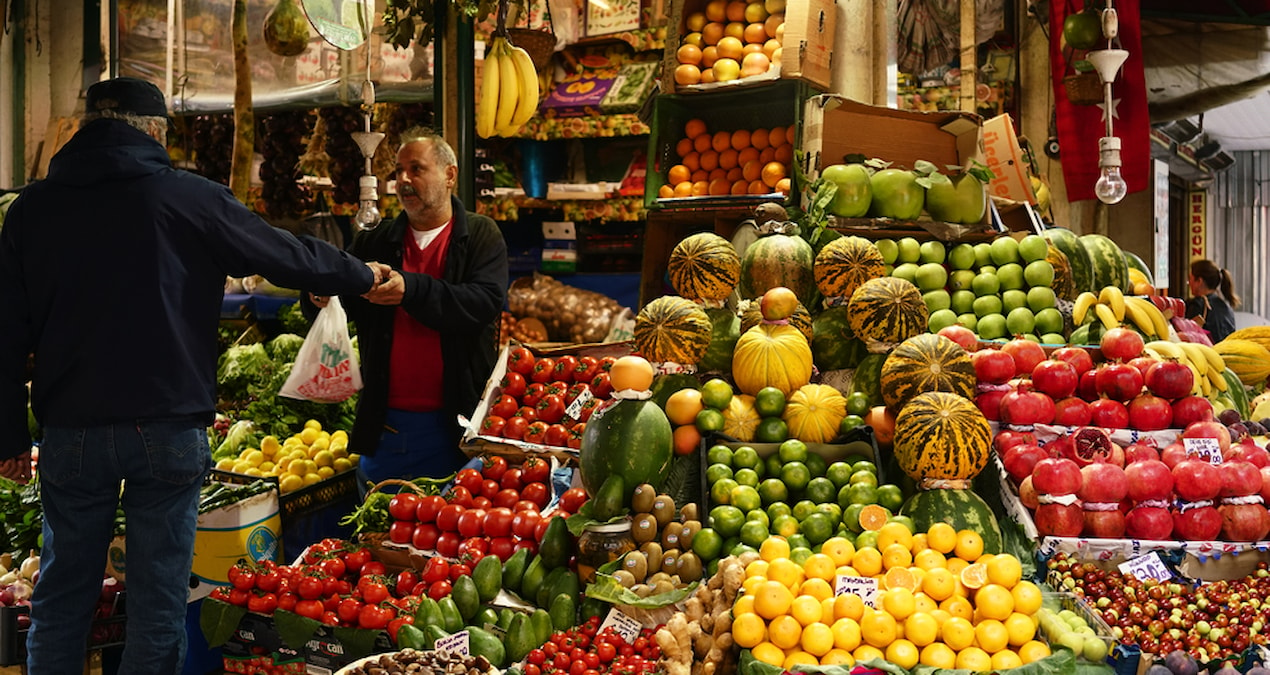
(958, 607)
(665, 192)
(716, 10)
(709, 55)
(758, 568)
(867, 561)
(806, 609)
(772, 599)
(769, 653)
(1021, 629)
(783, 154)
(694, 128)
(956, 565)
(798, 657)
(746, 155)
(727, 159)
(756, 33)
(687, 74)
(695, 21)
(991, 636)
(975, 659)
(759, 139)
(776, 136)
(896, 555)
(767, 154)
(683, 406)
(740, 140)
(939, 584)
(735, 10)
(899, 603)
(938, 655)
(631, 372)
(709, 160)
(920, 628)
(942, 537)
(700, 175)
(689, 53)
(1006, 659)
(784, 631)
(716, 174)
(740, 187)
(744, 605)
(701, 143)
(866, 652)
(752, 170)
(752, 48)
(683, 147)
(748, 630)
(750, 586)
(734, 29)
(928, 559)
(770, 47)
(757, 187)
(687, 437)
(903, 653)
(722, 140)
(894, 533)
(735, 174)
(924, 603)
(969, 545)
(839, 549)
(683, 189)
(678, 174)
(1033, 650)
(848, 606)
(1005, 570)
(700, 188)
(692, 160)
(772, 548)
(974, 576)
(707, 76)
(783, 186)
(772, 23)
(837, 657)
(878, 628)
(817, 640)
(1027, 597)
(719, 186)
(694, 38)
(872, 517)
(994, 602)
(957, 633)
(900, 577)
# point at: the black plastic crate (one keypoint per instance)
(105, 632)
(307, 500)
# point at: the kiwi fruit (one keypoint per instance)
(689, 567)
(657, 577)
(642, 499)
(670, 561)
(644, 528)
(636, 564)
(687, 532)
(652, 553)
(688, 512)
(642, 590)
(663, 509)
(626, 579)
(670, 535)
(663, 586)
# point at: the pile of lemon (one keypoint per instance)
(303, 459)
(941, 602)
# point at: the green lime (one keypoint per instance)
(803, 509)
(717, 472)
(709, 420)
(754, 533)
(707, 543)
(891, 497)
(793, 450)
(818, 527)
(719, 454)
(721, 492)
(759, 515)
(731, 543)
(742, 548)
(815, 464)
(832, 510)
(773, 491)
(769, 402)
(777, 509)
(785, 525)
(773, 465)
(726, 520)
(712, 567)
(905, 520)
(859, 493)
(864, 465)
(771, 430)
(863, 477)
(717, 394)
(866, 539)
(745, 456)
(851, 516)
(746, 476)
(858, 403)
(795, 476)
(850, 422)
(843, 532)
(821, 490)
(839, 473)
(745, 498)
(800, 555)
(798, 540)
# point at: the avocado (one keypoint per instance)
(520, 638)
(564, 612)
(432, 633)
(466, 597)
(663, 509)
(533, 578)
(488, 577)
(610, 500)
(542, 625)
(557, 544)
(637, 564)
(451, 620)
(642, 499)
(481, 642)
(644, 528)
(514, 569)
(670, 535)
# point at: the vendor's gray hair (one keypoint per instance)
(443, 151)
(146, 124)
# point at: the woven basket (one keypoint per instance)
(1084, 88)
(539, 43)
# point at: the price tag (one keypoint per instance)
(625, 626)
(1147, 566)
(455, 644)
(575, 408)
(865, 587)
(1205, 448)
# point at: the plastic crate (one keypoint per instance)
(306, 500)
(107, 632)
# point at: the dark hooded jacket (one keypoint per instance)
(112, 273)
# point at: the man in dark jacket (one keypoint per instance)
(111, 274)
(427, 335)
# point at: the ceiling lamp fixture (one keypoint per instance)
(1111, 187)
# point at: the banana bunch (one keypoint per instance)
(509, 90)
(1205, 363)
(1111, 308)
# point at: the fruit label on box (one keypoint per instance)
(625, 626)
(455, 644)
(1204, 448)
(865, 587)
(1147, 566)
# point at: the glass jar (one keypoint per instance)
(601, 544)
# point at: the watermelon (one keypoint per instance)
(1238, 394)
(1077, 257)
(629, 438)
(868, 377)
(833, 345)
(1107, 262)
(668, 383)
(1139, 264)
(963, 509)
(726, 328)
(778, 260)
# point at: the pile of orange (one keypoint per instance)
(731, 39)
(941, 602)
(745, 161)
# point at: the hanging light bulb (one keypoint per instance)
(368, 215)
(1110, 188)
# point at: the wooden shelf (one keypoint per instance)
(640, 39)
(604, 126)
(626, 209)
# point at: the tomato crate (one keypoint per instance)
(105, 632)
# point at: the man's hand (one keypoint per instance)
(17, 468)
(381, 271)
(389, 292)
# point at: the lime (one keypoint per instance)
(839, 473)
(717, 472)
(771, 430)
(815, 464)
(821, 490)
(760, 469)
(726, 520)
(866, 539)
(731, 543)
(795, 476)
(709, 420)
(785, 525)
(773, 491)
(859, 493)
(777, 509)
(746, 476)
(721, 492)
(803, 509)
(712, 567)
(717, 394)
(745, 456)
(891, 497)
(707, 543)
(800, 555)
(719, 454)
(904, 520)
(850, 422)
(818, 527)
(798, 540)
(745, 498)
(864, 465)
(773, 465)
(753, 533)
(831, 509)
(863, 477)
(769, 402)
(793, 450)
(851, 516)
(858, 403)
(760, 515)
(742, 548)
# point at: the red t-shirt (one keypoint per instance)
(415, 367)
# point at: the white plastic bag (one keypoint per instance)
(326, 369)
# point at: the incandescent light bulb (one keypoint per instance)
(1110, 188)
(368, 215)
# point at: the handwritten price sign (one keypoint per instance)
(864, 587)
(1147, 566)
(455, 644)
(1206, 449)
(625, 626)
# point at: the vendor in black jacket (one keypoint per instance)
(426, 336)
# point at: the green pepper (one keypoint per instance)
(409, 637)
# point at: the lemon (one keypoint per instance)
(325, 472)
(342, 464)
(769, 653)
(312, 479)
(324, 458)
(290, 483)
(313, 424)
(749, 630)
(846, 634)
(784, 631)
(254, 458)
(309, 435)
(226, 464)
(254, 472)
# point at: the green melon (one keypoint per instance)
(778, 260)
(1139, 264)
(868, 377)
(726, 329)
(833, 345)
(630, 438)
(1107, 262)
(1077, 257)
(962, 509)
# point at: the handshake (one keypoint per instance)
(18, 468)
(388, 287)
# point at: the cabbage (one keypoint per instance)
(283, 348)
(241, 366)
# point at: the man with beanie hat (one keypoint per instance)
(112, 272)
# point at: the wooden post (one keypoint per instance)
(853, 55)
(244, 117)
(969, 57)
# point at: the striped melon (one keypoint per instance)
(704, 266)
(1257, 334)
(778, 260)
(925, 363)
(833, 345)
(1107, 262)
(941, 436)
(740, 419)
(771, 355)
(751, 316)
(1062, 285)
(723, 336)
(1249, 360)
(1077, 257)
(845, 263)
(672, 329)
(887, 309)
(868, 377)
(963, 509)
(814, 412)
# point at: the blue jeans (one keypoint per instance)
(160, 466)
(414, 445)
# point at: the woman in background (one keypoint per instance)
(1213, 301)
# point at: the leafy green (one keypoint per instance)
(293, 320)
(609, 590)
(283, 348)
(240, 367)
(371, 516)
(584, 518)
(241, 435)
(21, 517)
(219, 620)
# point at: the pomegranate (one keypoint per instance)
(1025, 407)
(1195, 480)
(1079, 358)
(1247, 450)
(1139, 452)
(1054, 378)
(1020, 459)
(1244, 522)
(1072, 411)
(1084, 446)
(1239, 479)
(1117, 455)
(1169, 379)
(1027, 494)
(1174, 454)
(989, 403)
(1009, 438)
(1109, 414)
(1191, 409)
(1059, 520)
(1148, 412)
(961, 335)
(1149, 522)
(1088, 387)
(1148, 480)
(1143, 364)
(1265, 484)
(1197, 524)
(1118, 381)
(1056, 476)
(993, 366)
(1102, 483)
(1210, 429)
(1121, 344)
(1026, 354)
(1103, 523)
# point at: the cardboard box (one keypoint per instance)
(256, 646)
(325, 652)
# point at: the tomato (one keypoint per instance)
(533, 394)
(505, 498)
(428, 509)
(544, 370)
(586, 370)
(425, 536)
(220, 593)
(592, 660)
(606, 363)
(333, 567)
(373, 617)
(448, 544)
(515, 428)
(402, 506)
(535, 470)
(471, 523)
(528, 414)
(601, 386)
(557, 389)
(532, 669)
(401, 531)
(536, 432)
(470, 479)
(310, 588)
(498, 522)
(588, 409)
(311, 609)
(481, 502)
(264, 603)
(575, 390)
(460, 495)
(524, 523)
(502, 547)
(495, 467)
(373, 591)
(551, 408)
(396, 624)
(405, 582)
(460, 569)
(242, 577)
(348, 609)
(436, 569)
(512, 480)
(505, 406)
(573, 499)
(536, 493)
(373, 568)
(330, 601)
(575, 435)
(606, 652)
(513, 385)
(536, 656)
(268, 581)
(448, 518)
(557, 435)
(541, 528)
(493, 426)
(565, 365)
(353, 560)
(489, 488)
(520, 360)
(577, 667)
(524, 505)
(471, 550)
(287, 600)
(440, 589)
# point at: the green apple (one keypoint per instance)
(1004, 250)
(855, 191)
(910, 250)
(1033, 247)
(888, 269)
(987, 269)
(987, 304)
(933, 252)
(983, 254)
(1053, 339)
(1011, 276)
(937, 300)
(1020, 320)
(991, 327)
(931, 276)
(889, 249)
(963, 301)
(1041, 297)
(940, 319)
(1049, 320)
(1095, 649)
(960, 280)
(962, 199)
(985, 284)
(1039, 273)
(907, 272)
(896, 194)
(962, 257)
(969, 320)
(1012, 300)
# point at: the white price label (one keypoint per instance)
(575, 408)
(1147, 566)
(865, 587)
(455, 644)
(625, 626)
(1204, 448)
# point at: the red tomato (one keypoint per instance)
(373, 591)
(264, 603)
(541, 528)
(401, 531)
(557, 435)
(332, 567)
(529, 544)
(472, 550)
(505, 406)
(505, 498)
(588, 409)
(528, 414)
(373, 617)
(524, 523)
(557, 388)
(536, 433)
(402, 506)
(460, 569)
(353, 560)
(406, 580)
(242, 577)
(310, 588)
(373, 568)
(448, 518)
(310, 608)
(551, 408)
(513, 385)
(489, 488)
(436, 569)
(586, 370)
(520, 360)
(287, 600)
(493, 426)
(502, 547)
(459, 495)
(544, 370)
(494, 468)
(536, 493)
(268, 580)
(425, 536)
(470, 479)
(471, 522)
(428, 509)
(524, 505)
(512, 479)
(533, 394)
(535, 470)
(440, 589)
(396, 624)
(565, 365)
(575, 435)
(481, 502)
(575, 390)
(573, 499)
(606, 363)
(515, 428)
(601, 386)
(348, 609)
(498, 522)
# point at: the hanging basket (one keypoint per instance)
(539, 43)
(1083, 88)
